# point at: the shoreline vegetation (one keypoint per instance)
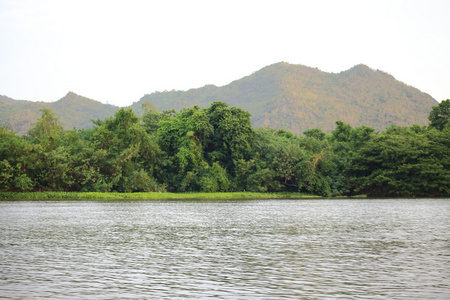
(205, 153)
(150, 196)
(155, 196)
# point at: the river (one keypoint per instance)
(259, 249)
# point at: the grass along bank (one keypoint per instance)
(150, 196)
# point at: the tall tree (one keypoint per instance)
(48, 160)
(183, 138)
(440, 115)
(233, 134)
(150, 117)
(45, 126)
(13, 163)
(130, 153)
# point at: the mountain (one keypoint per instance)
(282, 95)
(73, 110)
(298, 98)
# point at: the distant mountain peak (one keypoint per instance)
(74, 111)
(360, 68)
(69, 98)
(73, 97)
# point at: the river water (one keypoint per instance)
(261, 249)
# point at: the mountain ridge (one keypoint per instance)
(281, 95)
(74, 111)
(298, 98)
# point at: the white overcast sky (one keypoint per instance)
(117, 51)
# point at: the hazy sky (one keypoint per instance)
(117, 51)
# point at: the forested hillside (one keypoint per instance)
(73, 110)
(282, 96)
(298, 98)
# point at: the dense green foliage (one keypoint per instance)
(215, 149)
(440, 115)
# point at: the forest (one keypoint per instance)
(216, 149)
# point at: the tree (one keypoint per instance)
(440, 115)
(274, 163)
(206, 178)
(232, 134)
(315, 133)
(13, 163)
(46, 126)
(130, 153)
(150, 117)
(317, 173)
(403, 162)
(48, 161)
(84, 162)
(342, 132)
(183, 138)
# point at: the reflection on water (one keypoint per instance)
(310, 249)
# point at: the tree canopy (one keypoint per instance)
(440, 115)
(215, 149)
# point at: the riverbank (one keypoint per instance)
(151, 196)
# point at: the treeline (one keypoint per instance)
(215, 149)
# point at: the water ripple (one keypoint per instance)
(321, 249)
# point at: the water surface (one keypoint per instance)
(268, 249)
